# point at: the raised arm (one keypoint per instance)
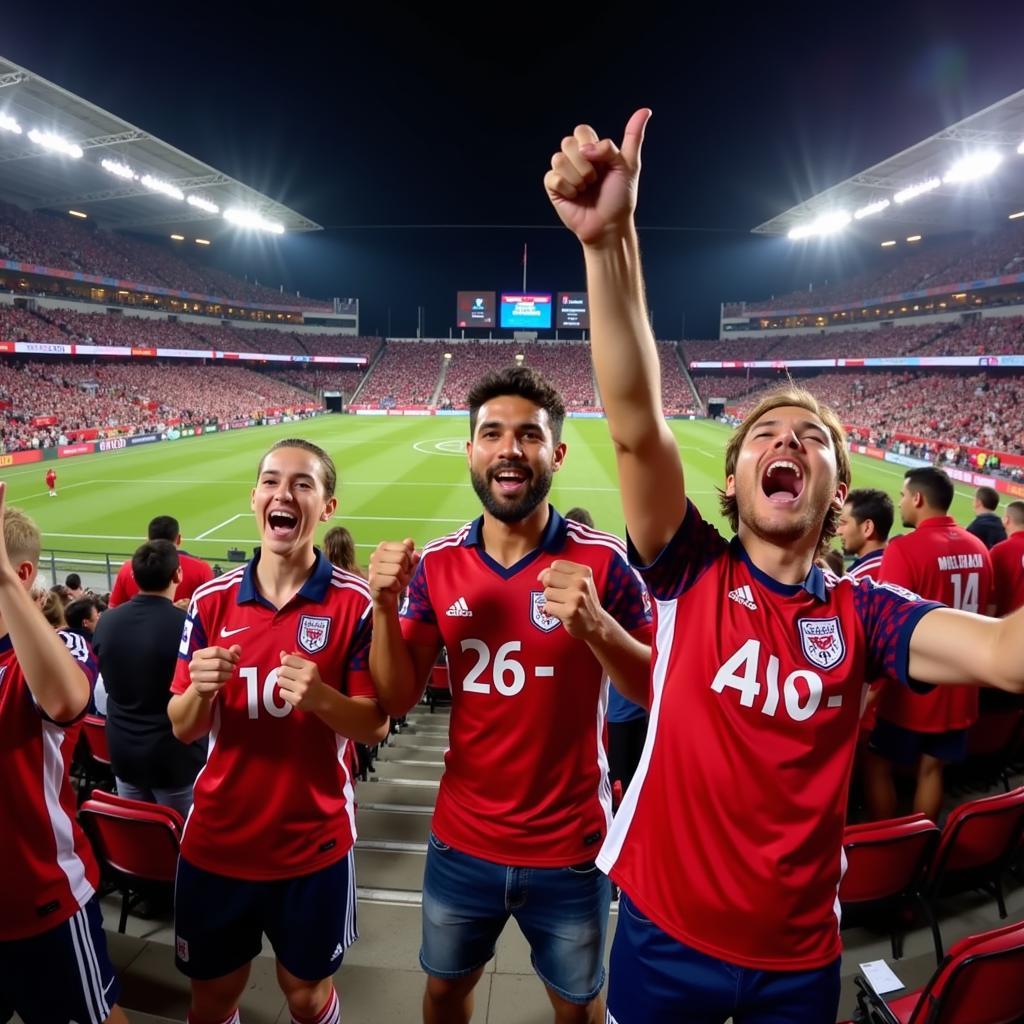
(593, 186)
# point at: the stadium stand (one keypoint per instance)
(406, 374)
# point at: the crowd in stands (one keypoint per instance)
(568, 368)
(62, 244)
(676, 394)
(953, 262)
(406, 374)
(315, 379)
(119, 398)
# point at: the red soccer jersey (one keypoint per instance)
(275, 799)
(51, 478)
(730, 835)
(526, 775)
(868, 567)
(1008, 573)
(47, 869)
(194, 573)
(942, 562)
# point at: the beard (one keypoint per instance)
(511, 510)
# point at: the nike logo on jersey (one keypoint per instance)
(232, 632)
(459, 610)
(743, 596)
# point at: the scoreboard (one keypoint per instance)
(474, 309)
(528, 312)
(573, 310)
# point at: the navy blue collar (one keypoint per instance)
(6, 643)
(869, 559)
(314, 589)
(552, 540)
(814, 584)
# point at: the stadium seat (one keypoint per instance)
(979, 840)
(978, 983)
(137, 845)
(991, 744)
(886, 863)
(116, 800)
(96, 763)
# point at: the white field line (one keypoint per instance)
(227, 522)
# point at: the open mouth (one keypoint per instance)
(282, 524)
(511, 479)
(783, 482)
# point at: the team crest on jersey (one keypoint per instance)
(544, 622)
(181, 948)
(823, 642)
(313, 632)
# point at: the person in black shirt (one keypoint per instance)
(987, 525)
(137, 647)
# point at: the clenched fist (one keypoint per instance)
(391, 568)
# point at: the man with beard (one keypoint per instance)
(535, 612)
(727, 847)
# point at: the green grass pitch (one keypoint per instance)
(399, 477)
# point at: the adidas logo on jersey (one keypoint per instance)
(459, 610)
(338, 950)
(743, 596)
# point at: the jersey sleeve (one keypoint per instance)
(684, 559)
(193, 638)
(357, 682)
(83, 656)
(419, 623)
(120, 592)
(890, 614)
(625, 599)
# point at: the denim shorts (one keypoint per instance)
(563, 912)
(655, 979)
(904, 746)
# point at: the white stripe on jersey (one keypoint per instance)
(350, 797)
(612, 846)
(68, 861)
(351, 922)
(449, 540)
(843, 864)
(604, 786)
(225, 582)
(342, 578)
(588, 535)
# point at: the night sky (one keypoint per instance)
(419, 138)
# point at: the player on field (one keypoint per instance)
(535, 612)
(54, 965)
(943, 562)
(1008, 562)
(727, 847)
(273, 666)
(51, 482)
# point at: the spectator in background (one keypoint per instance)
(987, 526)
(863, 529)
(73, 582)
(194, 571)
(53, 609)
(137, 647)
(1008, 562)
(340, 549)
(83, 615)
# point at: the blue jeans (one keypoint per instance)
(563, 912)
(656, 979)
(179, 798)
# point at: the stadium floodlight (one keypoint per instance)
(178, 238)
(913, 238)
(871, 209)
(118, 168)
(164, 187)
(973, 166)
(1015, 216)
(202, 241)
(8, 124)
(826, 224)
(1020, 149)
(889, 242)
(913, 191)
(79, 214)
(252, 219)
(202, 204)
(55, 143)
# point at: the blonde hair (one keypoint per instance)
(799, 398)
(21, 537)
(53, 609)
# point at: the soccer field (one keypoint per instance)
(399, 477)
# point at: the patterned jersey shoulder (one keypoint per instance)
(449, 540)
(588, 535)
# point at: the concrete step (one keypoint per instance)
(390, 869)
(416, 792)
(413, 739)
(428, 755)
(424, 771)
(428, 729)
(401, 826)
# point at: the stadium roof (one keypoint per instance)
(34, 177)
(946, 207)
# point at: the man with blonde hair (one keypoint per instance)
(728, 845)
(53, 955)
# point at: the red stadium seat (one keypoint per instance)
(886, 863)
(439, 690)
(94, 755)
(978, 983)
(979, 840)
(136, 845)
